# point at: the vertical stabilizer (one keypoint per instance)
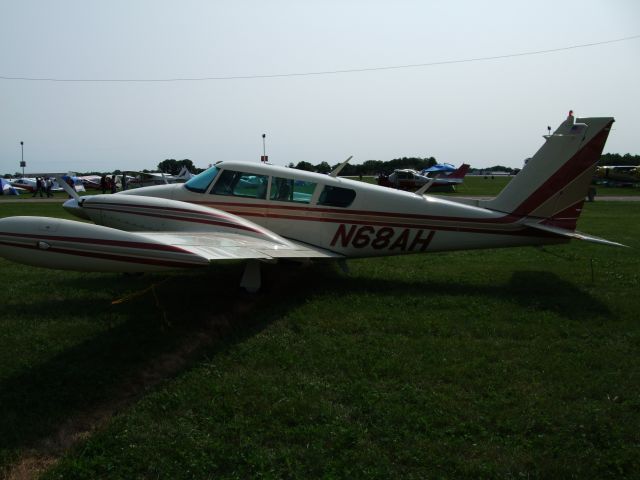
(554, 182)
(460, 172)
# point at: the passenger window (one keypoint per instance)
(241, 184)
(290, 190)
(336, 196)
(201, 182)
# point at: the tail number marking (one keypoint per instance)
(380, 238)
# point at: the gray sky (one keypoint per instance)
(483, 113)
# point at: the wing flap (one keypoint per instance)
(229, 246)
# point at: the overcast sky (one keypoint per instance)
(483, 112)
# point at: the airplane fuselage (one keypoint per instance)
(348, 217)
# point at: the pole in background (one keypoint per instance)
(264, 158)
(22, 162)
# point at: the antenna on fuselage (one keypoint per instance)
(338, 169)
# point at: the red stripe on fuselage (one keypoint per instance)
(507, 218)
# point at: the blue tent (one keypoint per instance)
(7, 189)
(440, 167)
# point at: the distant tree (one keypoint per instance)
(415, 163)
(617, 159)
(348, 170)
(169, 165)
(291, 165)
(323, 167)
(500, 168)
(375, 167)
(305, 166)
(173, 166)
(371, 167)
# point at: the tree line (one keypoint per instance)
(375, 167)
(369, 167)
(616, 159)
(172, 166)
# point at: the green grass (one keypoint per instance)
(478, 364)
(478, 185)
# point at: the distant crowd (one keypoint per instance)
(43, 185)
(111, 183)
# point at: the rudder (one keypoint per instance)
(554, 182)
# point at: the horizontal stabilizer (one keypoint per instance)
(573, 234)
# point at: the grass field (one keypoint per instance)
(519, 363)
(479, 185)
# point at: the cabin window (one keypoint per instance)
(336, 196)
(201, 182)
(240, 184)
(290, 190)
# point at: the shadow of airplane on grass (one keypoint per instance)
(49, 406)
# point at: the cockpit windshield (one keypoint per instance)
(201, 182)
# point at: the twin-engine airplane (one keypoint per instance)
(258, 212)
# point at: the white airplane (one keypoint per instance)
(257, 212)
(147, 179)
(408, 179)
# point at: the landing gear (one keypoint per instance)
(342, 263)
(251, 279)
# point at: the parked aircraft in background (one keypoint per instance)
(7, 189)
(25, 183)
(29, 184)
(91, 181)
(259, 212)
(618, 175)
(146, 179)
(443, 175)
(446, 174)
(70, 179)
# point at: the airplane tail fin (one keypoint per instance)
(184, 173)
(460, 172)
(553, 184)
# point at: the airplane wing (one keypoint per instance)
(70, 245)
(214, 246)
